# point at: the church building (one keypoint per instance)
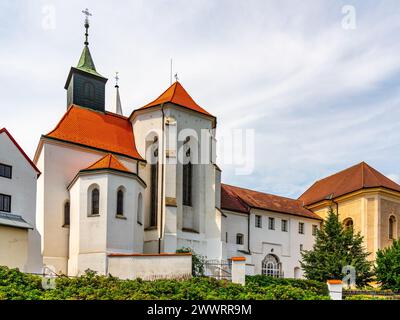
(148, 184)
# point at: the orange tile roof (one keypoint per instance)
(109, 161)
(241, 200)
(178, 95)
(349, 180)
(105, 131)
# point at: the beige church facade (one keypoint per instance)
(365, 199)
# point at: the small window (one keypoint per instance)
(284, 225)
(392, 227)
(271, 223)
(258, 221)
(120, 202)
(140, 209)
(66, 213)
(95, 201)
(5, 171)
(314, 230)
(5, 203)
(88, 91)
(239, 238)
(348, 223)
(301, 247)
(226, 237)
(301, 227)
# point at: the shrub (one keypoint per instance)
(197, 262)
(388, 266)
(17, 285)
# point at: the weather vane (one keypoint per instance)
(176, 77)
(87, 15)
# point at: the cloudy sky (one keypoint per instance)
(320, 89)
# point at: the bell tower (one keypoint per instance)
(85, 86)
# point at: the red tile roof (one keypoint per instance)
(178, 95)
(109, 161)
(4, 130)
(349, 180)
(241, 200)
(105, 131)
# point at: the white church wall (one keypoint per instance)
(60, 163)
(124, 234)
(150, 267)
(22, 189)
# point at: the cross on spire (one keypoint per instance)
(116, 79)
(87, 15)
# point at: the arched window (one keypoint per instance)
(120, 202)
(348, 223)
(66, 213)
(88, 91)
(392, 227)
(187, 184)
(95, 201)
(139, 213)
(271, 266)
(154, 193)
(239, 238)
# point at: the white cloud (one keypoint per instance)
(319, 97)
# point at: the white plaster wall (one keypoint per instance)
(59, 164)
(124, 235)
(202, 217)
(285, 245)
(22, 188)
(13, 247)
(150, 267)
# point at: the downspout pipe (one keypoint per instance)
(162, 180)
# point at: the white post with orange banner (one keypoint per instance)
(239, 270)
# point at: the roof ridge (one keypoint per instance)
(334, 174)
(270, 194)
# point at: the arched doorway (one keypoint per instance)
(271, 266)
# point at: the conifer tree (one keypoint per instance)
(334, 248)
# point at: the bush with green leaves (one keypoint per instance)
(197, 262)
(18, 286)
(387, 267)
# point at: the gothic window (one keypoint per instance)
(392, 227)
(187, 184)
(139, 213)
(271, 266)
(120, 202)
(154, 193)
(66, 213)
(88, 91)
(239, 238)
(348, 223)
(95, 201)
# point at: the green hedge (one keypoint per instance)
(16, 285)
